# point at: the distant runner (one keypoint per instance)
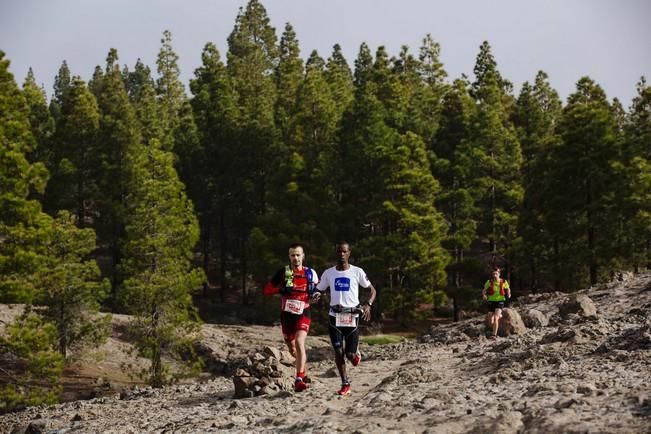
(496, 291)
(296, 283)
(344, 281)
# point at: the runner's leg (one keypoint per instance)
(496, 320)
(301, 356)
(337, 340)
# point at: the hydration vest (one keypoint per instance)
(289, 278)
(491, 289)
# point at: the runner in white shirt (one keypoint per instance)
(344, 281)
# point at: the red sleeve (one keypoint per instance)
(273, 286)
(270, 289)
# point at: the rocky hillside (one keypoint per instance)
(582, 364)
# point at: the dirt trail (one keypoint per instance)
(579, 373)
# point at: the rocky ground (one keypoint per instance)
(582, 365)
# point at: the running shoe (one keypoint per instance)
(357, 358)
(345, 390)
(299, 385)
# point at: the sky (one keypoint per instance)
(607, 40)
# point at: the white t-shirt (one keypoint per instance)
(344, 285)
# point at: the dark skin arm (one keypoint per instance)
(366, 313)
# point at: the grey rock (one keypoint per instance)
(36, 427)
(511, 323)
(273, 352)
(534, 318)
(579, 304)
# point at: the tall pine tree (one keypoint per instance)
(209, 171)
(169, 89)
(161, 232)
(72, 291)
(497, 160)
(252, 58)
(536, 117)
(636, 172)
(23, 226)
(581, 187)
(118, 139)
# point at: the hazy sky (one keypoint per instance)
(608, 40)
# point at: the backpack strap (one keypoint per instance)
(310, 281)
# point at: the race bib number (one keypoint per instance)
(294, 306)
(345, 320)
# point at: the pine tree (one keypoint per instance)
(390, 200)
(408, 228)
(30, 341)
(169, 89)
(428, 91)
(118, 139)
(62, 83)
(23, 227)
(72, 292)
(363, 136)
(161, 232)
(635, 174)
(536, 117)
(73, 184)
(209, 171)
(301, 201)
(142, 94)
(581, 186)
(40, 121)
(288, 76)
(497, 160)
(452, 167)
(252, 57)
(340, 79)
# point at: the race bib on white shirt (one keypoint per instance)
(345, 320)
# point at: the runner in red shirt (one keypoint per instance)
(296, 284)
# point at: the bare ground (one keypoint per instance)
(578, 374)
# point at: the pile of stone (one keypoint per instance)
(263, 373)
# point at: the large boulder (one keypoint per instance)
(533, 318)
(510, 324)
(579, 304)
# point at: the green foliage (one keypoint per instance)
(142, 94)
(288, 76)
(451, 166)
(424, 177)
(40, 121)
(23, 226)
(161, 233)
(496, 159)
(340, 80)
(72, 292)
(252, 56)
(118, 138)
(31, 367)
(72, 158)
(212, 170)
(392, 198)
(582, 185)
(536, 116)
(169, 90)
(635, 173)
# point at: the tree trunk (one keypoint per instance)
(245, 295)
(222, 255)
